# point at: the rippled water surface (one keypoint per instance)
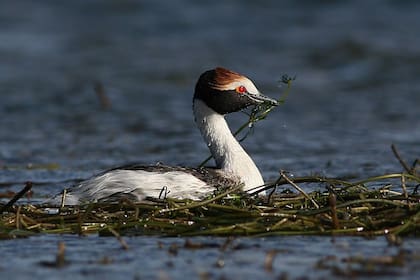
(169, 258)
(357, 91)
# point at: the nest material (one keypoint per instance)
(387, 204)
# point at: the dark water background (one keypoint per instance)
(357, 91)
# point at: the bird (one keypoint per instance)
(218, 92)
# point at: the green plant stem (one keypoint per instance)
(202, 203)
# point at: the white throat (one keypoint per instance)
(229, 155)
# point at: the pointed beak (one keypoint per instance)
(260, 98)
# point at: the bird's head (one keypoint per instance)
(225, 91)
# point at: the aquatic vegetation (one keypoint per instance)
(384, 205)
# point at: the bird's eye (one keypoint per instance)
(241, 89)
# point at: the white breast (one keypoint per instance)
(137, 183)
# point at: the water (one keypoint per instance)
(168, 258)
(357, 91)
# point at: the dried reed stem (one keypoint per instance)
(17, 196)
(282, 174)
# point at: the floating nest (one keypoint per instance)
(384, 205)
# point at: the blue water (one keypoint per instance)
(243, 258)
(357, 92)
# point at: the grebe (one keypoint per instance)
(217, 93)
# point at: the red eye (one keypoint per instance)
(241, 89)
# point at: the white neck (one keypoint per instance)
(225, 149)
